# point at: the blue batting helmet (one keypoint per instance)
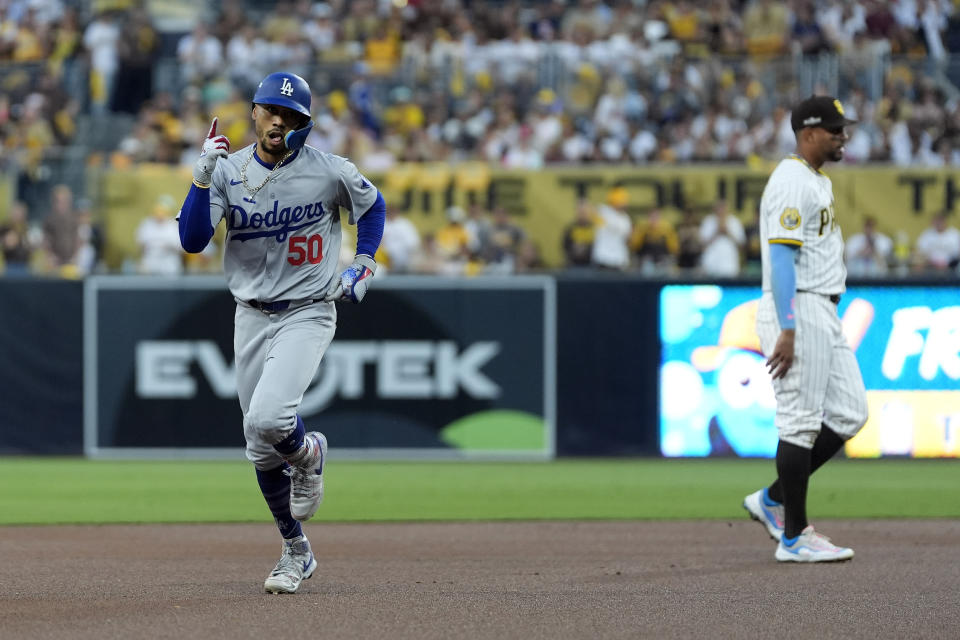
(284, 90)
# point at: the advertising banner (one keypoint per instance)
(716, 396)
(424, 368)
(41, 369)
(544, 201)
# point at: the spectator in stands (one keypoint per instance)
(723, 28)
(200, 55)
(61, 232)
(452, 240)
(66, 41)
(529, 259)
(382, 49)
(137, 48)
(319, 29)
(293, 49)
(30, 38)
(429, 260)
(806, 35)
(765, 27)
(139, 145)
(654, 244)
(688, 241)
(612, 233)
(841, 23)
(938, 247)
(101, 38)
(478, 226)
(520, 152)
(932, 24)
(617, 108)
(576, 147)
(506, 240)
(546, 125)
(868, 253)
(520, 85)
(15, 242)
(283, 19)
(89, 238)
(158, 238)
(29, 142)
(881, 24)
(752, 245)
(401, 241)
(231, 20)
(247, 54)
(578, 236)
(723, 238)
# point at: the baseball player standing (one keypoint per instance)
(821, 400)
(281, 202)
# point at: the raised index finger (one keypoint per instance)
(213, 128)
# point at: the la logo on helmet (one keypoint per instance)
(286, 88)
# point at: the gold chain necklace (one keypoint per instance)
(243, 171)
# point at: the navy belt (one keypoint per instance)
(834, 298)
(279, 305)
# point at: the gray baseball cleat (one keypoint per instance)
(306, 477)
(296, 564)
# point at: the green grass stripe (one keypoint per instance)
(58, 490)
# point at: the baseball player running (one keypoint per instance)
(281, 201)
(821, 400)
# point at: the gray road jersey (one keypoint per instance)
(283, 242)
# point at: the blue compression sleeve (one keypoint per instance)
(370, 227)
(783, 280)
(195, 227)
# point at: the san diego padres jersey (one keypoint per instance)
(283, 240)
(797, 209)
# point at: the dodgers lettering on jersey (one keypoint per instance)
(797, 208)
(283, 242)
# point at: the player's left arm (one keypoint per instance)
(786, 216)
(353, 282)
(355, 192)
(783, 281)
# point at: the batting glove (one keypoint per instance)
(353, 282)
(214, 147)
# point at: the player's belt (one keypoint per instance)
(279, 305)
(834, 298)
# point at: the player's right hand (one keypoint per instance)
(781, 359)
(214, 148)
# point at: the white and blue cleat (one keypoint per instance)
(810, 546)
(765, 511)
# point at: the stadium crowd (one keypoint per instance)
(518, 84)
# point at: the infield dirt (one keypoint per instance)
(638, 579)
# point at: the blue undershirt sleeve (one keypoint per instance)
(783, 281)
(370, 228)
(195, 227)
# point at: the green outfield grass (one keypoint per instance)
(58, 490)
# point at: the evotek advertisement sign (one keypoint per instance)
(716, 397)
(424, 367)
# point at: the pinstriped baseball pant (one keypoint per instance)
(824, 385)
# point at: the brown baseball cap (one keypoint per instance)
(819, 111)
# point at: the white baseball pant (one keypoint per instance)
(824, 385)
